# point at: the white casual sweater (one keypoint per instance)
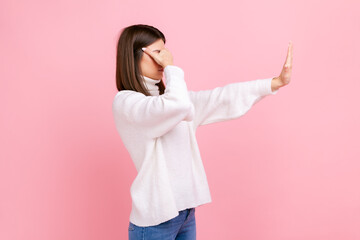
(159, 133)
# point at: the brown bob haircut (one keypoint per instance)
(129, 53)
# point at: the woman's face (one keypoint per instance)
(148, 65)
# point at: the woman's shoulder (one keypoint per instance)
(126, 93)
(128, 97)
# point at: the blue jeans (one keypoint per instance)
(181, 227)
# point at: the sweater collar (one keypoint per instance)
(150, 84)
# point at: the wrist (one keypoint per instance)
(166, 64)
(275, 84)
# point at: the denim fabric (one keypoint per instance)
(181, 227)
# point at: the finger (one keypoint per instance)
(292, 50)
(287, 62)
(146, 50)
(162, 51)
(152, 54)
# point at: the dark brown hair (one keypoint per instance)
(129, 53)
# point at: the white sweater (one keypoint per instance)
(159, 133)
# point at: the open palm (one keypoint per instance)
(285, 74)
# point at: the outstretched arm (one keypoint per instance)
(234, 100)
(228, 102)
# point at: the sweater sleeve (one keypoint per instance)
(156, 115)
(228, 102)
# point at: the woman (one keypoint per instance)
(157, 125)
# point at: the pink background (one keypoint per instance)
(287, 170)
